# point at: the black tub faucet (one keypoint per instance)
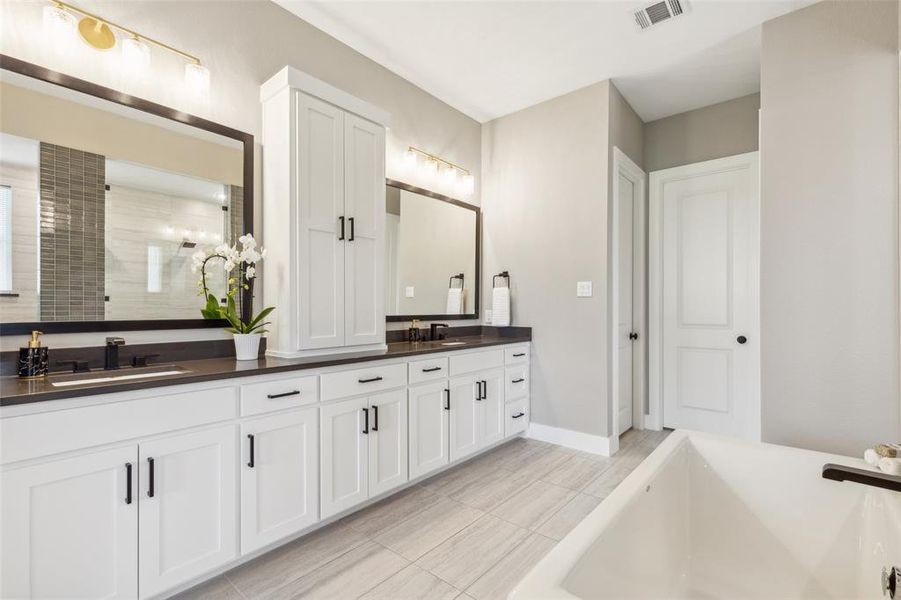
(111, 359)
(433, 331)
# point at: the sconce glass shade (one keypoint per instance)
(467, 185)
(449, 175)
(135, 54)
(197, 78)
(410, 159)
(58, 22)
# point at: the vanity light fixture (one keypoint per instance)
(450, 174)
(62, 18)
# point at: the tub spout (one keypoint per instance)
(873, 478)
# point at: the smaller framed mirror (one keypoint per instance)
(432, 255)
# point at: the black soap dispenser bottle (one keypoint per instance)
(34, 360)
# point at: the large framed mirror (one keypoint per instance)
(432, 255)
(104, 198)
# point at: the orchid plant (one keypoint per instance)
(240, 268)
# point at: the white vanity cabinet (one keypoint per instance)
(324, 177)
(429, 427)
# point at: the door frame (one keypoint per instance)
(623, 165)
(654, 419)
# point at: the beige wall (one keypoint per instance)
(715, 131)
(545, 221)
(626, 129)
(829, 226)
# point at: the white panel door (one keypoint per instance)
(364, 201)
(464, 416)
(625, 212)
(188, 498)
(387, 441)
(491, 407)
(343, 455)
(279, 477)
(429, 410)
(70, 528)
(707, 218)
(321, 223)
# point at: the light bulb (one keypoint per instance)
(197, 78)
(57, 21)
(449, 176)
(430, 168)
(410, 159)
(135, 54)
(467, 185)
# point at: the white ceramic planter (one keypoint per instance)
(247, 346)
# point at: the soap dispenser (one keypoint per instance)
(413, 334)
(34, 360)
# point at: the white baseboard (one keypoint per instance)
(577, 440)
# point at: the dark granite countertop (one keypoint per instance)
(19, 391)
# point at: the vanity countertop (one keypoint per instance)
(20, 391)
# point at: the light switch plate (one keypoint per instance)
(488, 315)
(409, 291)
(583, 289)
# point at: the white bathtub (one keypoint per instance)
(711, 517)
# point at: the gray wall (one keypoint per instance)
(715, 131)
(829, 226)
(545, 220)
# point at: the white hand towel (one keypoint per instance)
(454, 301)
(892, 466)
(500, 307)
(871, 457)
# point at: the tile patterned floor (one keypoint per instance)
(470, 533)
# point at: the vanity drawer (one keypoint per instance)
(518, 354)
(277, 394)
(363, 381)
(477, 361)
(428, 369)
(517, 382)
(517, 417)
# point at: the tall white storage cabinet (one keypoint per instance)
(323, 217)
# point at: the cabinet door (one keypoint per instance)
(491, 407)
(320, 209)
(188, 516)
(364, 201)
(464, 417)
(279, 477)
(429, 410)
(69, 530)
(387, 441)
(343, 452)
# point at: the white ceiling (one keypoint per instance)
(491, 58)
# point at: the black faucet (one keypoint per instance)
(433, 331)
(111, 360)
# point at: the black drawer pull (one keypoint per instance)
(518, 354)
(370, 380)
(478, 390)
(484, 390)
(518, 416)
(252, 461)
(283, 395)
(127, 483)
(341, 237)
(365, 420)
(151, 486)
(431, 369)
(351, 238)
(520, 380)
(375, 418)
(447, 399)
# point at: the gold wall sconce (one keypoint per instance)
(433, 166)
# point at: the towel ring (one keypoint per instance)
(504, 275)
(450, 282)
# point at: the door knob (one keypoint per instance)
(741, 339)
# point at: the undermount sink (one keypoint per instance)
(125, 374)
(453, 343)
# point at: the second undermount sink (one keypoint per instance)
(125, 374)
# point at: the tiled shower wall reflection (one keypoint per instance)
(72, 234)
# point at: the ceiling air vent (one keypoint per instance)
(658, 12)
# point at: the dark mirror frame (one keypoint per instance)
(478, 275)
(21, 67)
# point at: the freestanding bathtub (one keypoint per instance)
(711, 517)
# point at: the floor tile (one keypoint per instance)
(412, 583)
(293, 561)
(566, 519)
(386, 514)
(348, 576)
(577, 471)
(426, 529)
(534, 504)
(609, 479)
(218, 588)
(451, 481)
(466, 556)
(491, 489)
(500, 579)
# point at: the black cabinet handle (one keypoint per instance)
(518, 354)
(518, 416)
(252, 461)
(484, 390)
(431, 369)
(375, 418)
(283, 395)
(478, 390)
(446, 399)
(370, 380)
(151, 486)
(365, 420)
(341, 219)
(520, 380)
(127, 483)
(351, 238)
